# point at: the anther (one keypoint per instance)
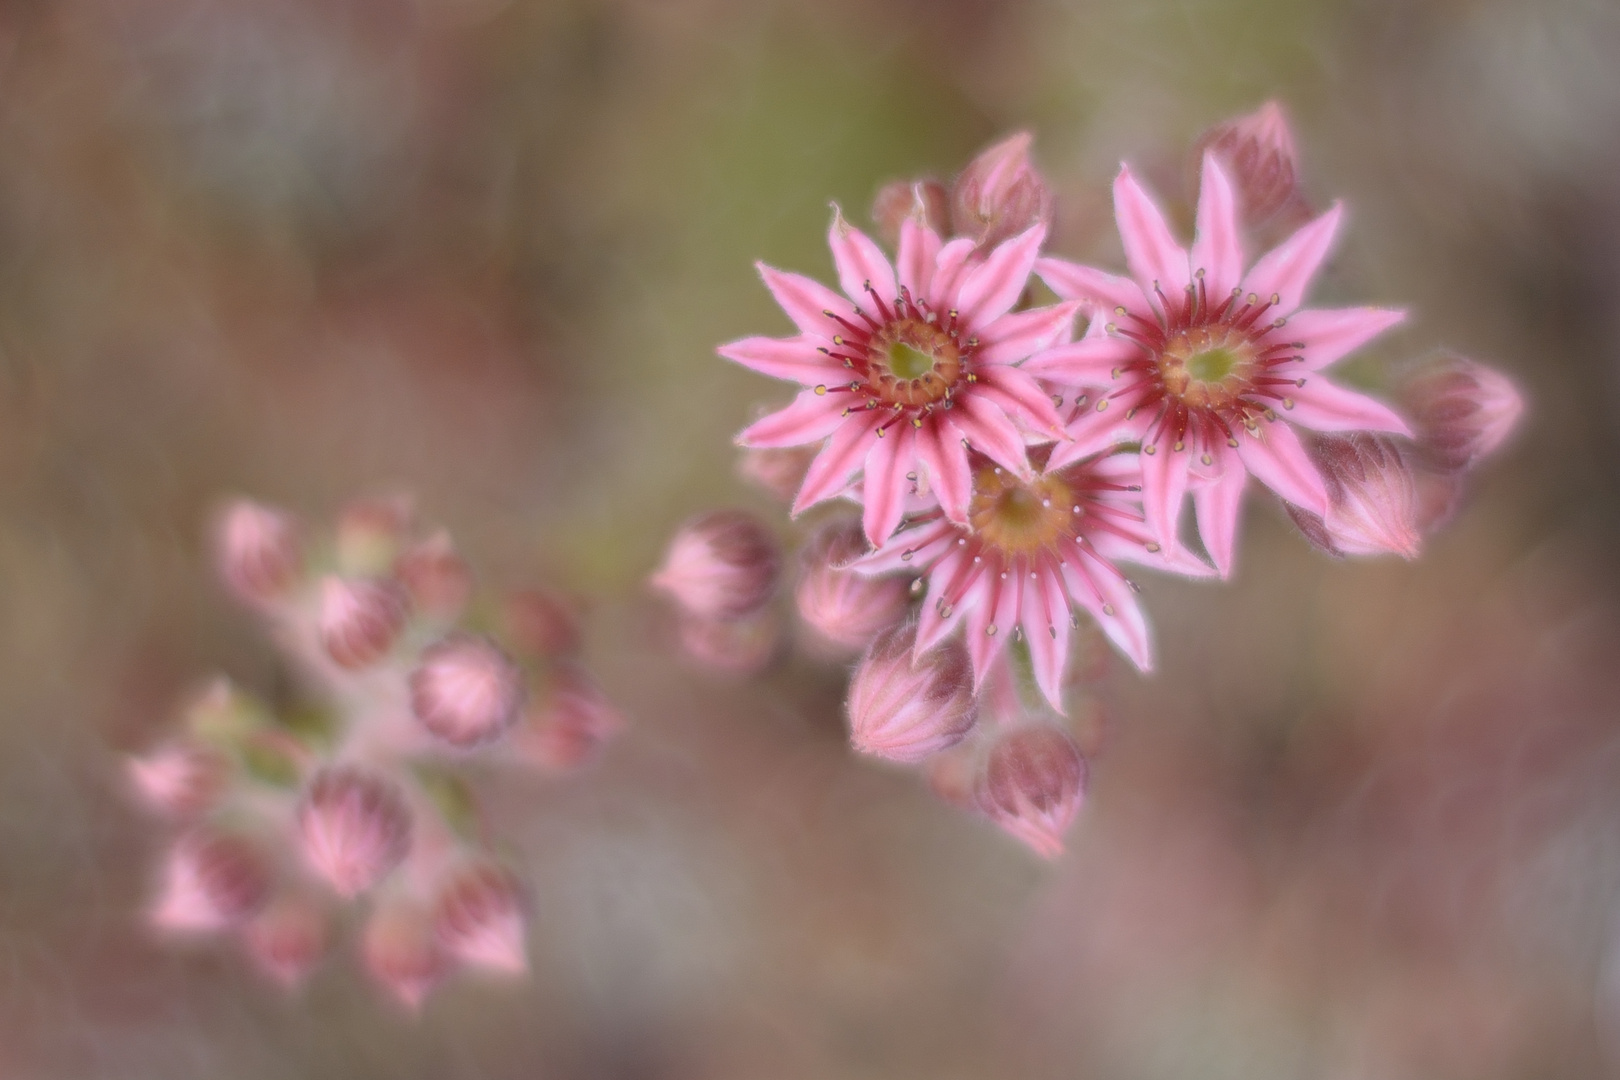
(1153, 547)
(1150, 449)
(990, 631)
(1206, 459)
(821, 391)
(1108, 609)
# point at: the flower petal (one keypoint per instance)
(1046, 627)
(795, 359)
(989, 431)
(1217, 249)
(992, 288)
(953, 571)
(1011, 338)
(1286, 270)
(1021, 397)
(810, 418)
(1164, 488)
(908, 550)
(1273, 455)
(807, 302)
(838, 461)
(1101, 291)
(1150, 251)
(859, 261)
(1219, 504)
(991, 625)
(1331, 333)
(919, 248)
(1102, 591)
(1090, 361)
(950, 269)
(945, 462)
(1091, 432)
(885, 487)
(1323, 406)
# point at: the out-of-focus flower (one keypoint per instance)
(371, 533)
(181, 779)
(466, 691)
(402, 951)
(360, 618)
(722, 565)
(1209, 367)
(572, 723)
(779, 470)
(1463, 411)
(1258, 152)
(436, 577)
(1032, 785)
(1372, 498)
(211, 879)
(925, 200)
(479, 918)
(914, 364)
(289, 937)
(732, 646)
(355, 827)
(845, 609)
(904, 704)
(542, 623)
(1000, 194)
(257, 551)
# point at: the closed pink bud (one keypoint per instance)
(479, 918)
(465, 691)
(1462, 411)
(572, 725)
(846, 610)
(733, 646)
(401, 950)
(926, 200)
(288, 938)
(360, 619)
(257, 551)
(1373, 498)
(355, 827)
(436, 577)
(182, 779)
(905, 707)
(372, 531)
(1033, 784)
(1000, 194)
(211, 880)
(542, 624)
(722, 565)
(1258, 152)
(779, 470)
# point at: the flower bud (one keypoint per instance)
(1373, 498)
(1258, 152)
(479, 919)
(1033, 784)
(360, 618)
(355, 827)
(900, 199)
(211, 880)
(732, 647)
(257, 551)
(465, 691)
(722, 565)
(1000, 194)
(845, 610)
(1462, 411)
(371, 532)
(542, 624)
(905, 707)
(778, 470)
(181, 779)
(288, 938)
(402, 952)
(570, 727)
(436, 577)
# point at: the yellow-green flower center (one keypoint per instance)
(912, 363)
(1018, 517)
(1208, 365)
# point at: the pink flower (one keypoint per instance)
(1032, 785)
(355, 827)
(906, 703)
(1372, 498)
(573, 723)
(778, 470)
(466, 691)
(288, 938)
(1463, 411)
(1209, 366)
(721, 565)
(908, 371)
(257, 551)
(181, 779)
(402, 951)
(542, 623)
(360, 619)
(845, 609)
(211, 880)
(479, 919)
(1000, 194)
(436, 576)
(1258, 153)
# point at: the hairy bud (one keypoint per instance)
(722, 565)
(1373, 498)
(257, 551)
(897, 200)
(435, 576)
(479, 918)
(402, 951)
(182, 779)
(846, 610)
(465, 691)
(288, 938)
(905, 707)
(211, 880)
(573, 723)
(360, 618)
(1032, 785)
(355, 827)
(778, 470)
(1462, 411)
(1000, 194)
(1258, 152)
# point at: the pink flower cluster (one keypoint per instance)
(358, 796)
(1012, 457)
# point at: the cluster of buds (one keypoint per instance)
(1010, 460)
(359, 798)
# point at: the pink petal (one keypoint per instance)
(795, 359)
(932, 627)
(806, 302)
(1217, 249)
(994, 286)
(950, 267)
(1022, 398)
(859, 261)
(1104, 593)
(1324, 406)
(919, 248)
(1092, 432)
(886, 486)
(1088, 362)
(946, 463)
(1164, 487)
(1150, 251)
(1101, 291)
(990, 627)
(811, 418)
(1219, 504)
(1013, 337)
(988, 430)
(908, 550)
(1286, 270)
(1331, 333)
(1046, 627)
(1273, 455)
(838, 461)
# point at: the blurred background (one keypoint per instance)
(1365, 822)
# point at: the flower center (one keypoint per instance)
(1208, 365)
(912, 363)
(1020, 518)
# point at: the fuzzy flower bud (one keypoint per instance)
(1033, 784)
(845, 609)
(465, 691)
(1000, 194)
(402, 952)
(778, 470)
(182, 779)
(732, 646)
(436, 577)
(355, 827)
(722, 565)
(288, 938)
(1462, 411)
(1258, 152)
(257, 551)
(572, 725)
(542, 624)
(479, 919)
(1373, 498)
(900, 199)
(211, 880)
(360, 618)
(905, 707)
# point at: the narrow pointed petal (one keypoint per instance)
(1088, 362)
(908, 550)
(795, 359)
(1219, 504)
(988, 430)
(1114, 606)
(1092, 432)
(992, 288)
(945, 461)
(859, 261)
(1150, 250)
(990, 627)
(838, 462)
(1274, 456)
(1164, 488)
(1022, 398)
(1046, 626)
(1101, 291)
(1217, 249)
(886, 485)
(806, 301)
(1329, 334)
(1011, 338)
(950, 270)
(810, 418)
(919, 248)
(1286, 270)
(932, 627)
(1323, 406)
